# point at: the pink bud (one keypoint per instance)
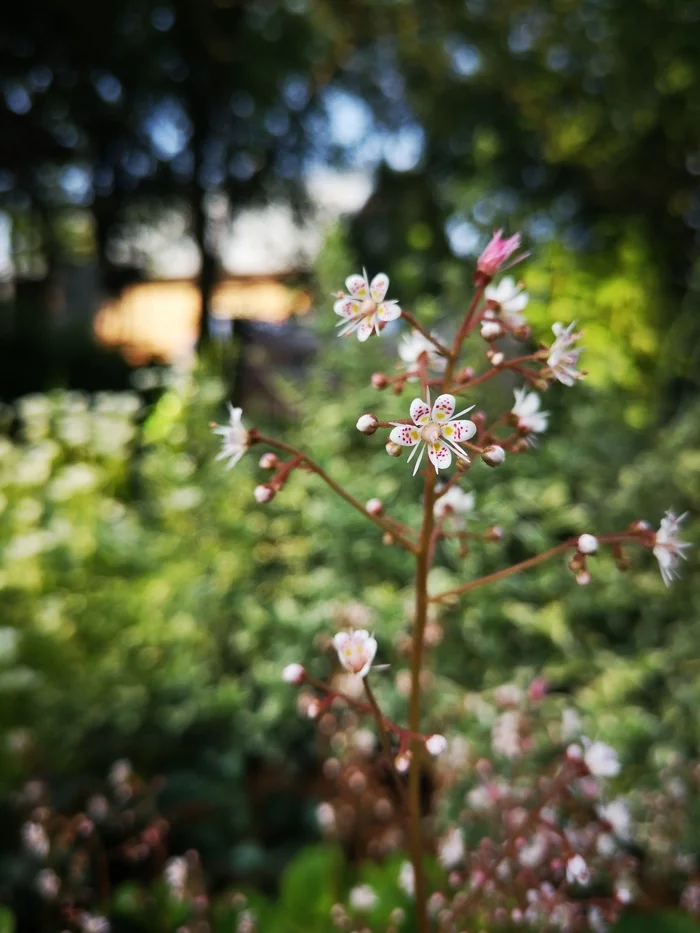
(293, 674)
(263, 493)
(494, 455)
(379, 381)
(538, 689)
(374, 507)
(497, 251)
(268, 461)
(574, 753)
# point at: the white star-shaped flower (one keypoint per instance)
(577, 870)
(668, 547)
(562, 360)
(356, 650)
(511, 300)
(366, 307)
(438, 429)
(412, 345)
(527, 410)
(234, 437)
(601, 760)
(454, 504)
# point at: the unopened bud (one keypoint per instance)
(574, 753)
(268, 461)
(494, 533)
(388, 538)
(379, 381)
(640, 526)
(540, 385)
(479, 419)
(367, 424)
(263, 493)
(494, 455)
(587, 544)
(583, 578)
(491, 330)
(313, 709)
(402, 762)
(394, 450)
(436, 744)
(374, 507)
(464, 375)
(495, 357)
(293, 674)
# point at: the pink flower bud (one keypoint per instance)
(268, 461)
(367, 424)
(394, 450)
(436, 744)
(587, 544)
(379, 381)
(374, 507)
(574, 753)
(263, 493)
(293, 674)
(494, 455)
(497, 251)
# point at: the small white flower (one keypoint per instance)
(562, 359)
(365, 308)
(436, 744)
(293, 674)
(412, 345)
(437, 428)
(356, 650)
(534, 853)
(175, 874)
(587, 544)
(617, 814)
(577, 870)
(505, 735)
(511, 299)
(601, 759)
(451, 849)
(234, 437)
(668, 547)
(407, 879)
(363, 898)
(527, 410)
(455, 502)
(48, 884)
(35, 839)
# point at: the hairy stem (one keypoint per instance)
(421, 617)
(314, 467)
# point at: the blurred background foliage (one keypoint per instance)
(148, 603)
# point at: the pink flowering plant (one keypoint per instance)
(554, 858)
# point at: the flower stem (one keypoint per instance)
(421, 617)
(462, 333)
(384, 736)
(310, 464)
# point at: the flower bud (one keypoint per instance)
(522, 333)
(374, 507)
(388, 539)
(491, 330)
(263, 493)
(313, 709)
(587, 544)
(268, 461)
(494, 455)
(574, 753)
(494, 533)
(367, 424)
(583, 578)
(394, 450)
(464, 375)
(402, 762)
(436, 744)
(640, 526)
(495, 357)
(379, 381)
(293, 674)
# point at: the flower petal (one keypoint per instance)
(340, 640)
(405, 434)
(388, 311)
(459, 431)
(379, 286)
(420, 411)
(357, 286)
(366, 327)
(347, 307)
(370, 648)
(439, 455)
(444, 407)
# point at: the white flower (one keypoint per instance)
(668, 548)
(527, 410)
(436, 744)
(363, 898)
(412, 345)
(90, 924)
(562, 359)
(505, 735)
(587, 544)
(511, 299)
(455, 502)
(532, 854)
(577, 870)
(35, 839)
(48, 884)
(438, 429)
(325, 816)
(365, 308)
(407, 879)
(293, 674)
(617, 814)
(234, 437)
(451, 849)
(601, 759)
(176, 875)
(356, 650)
